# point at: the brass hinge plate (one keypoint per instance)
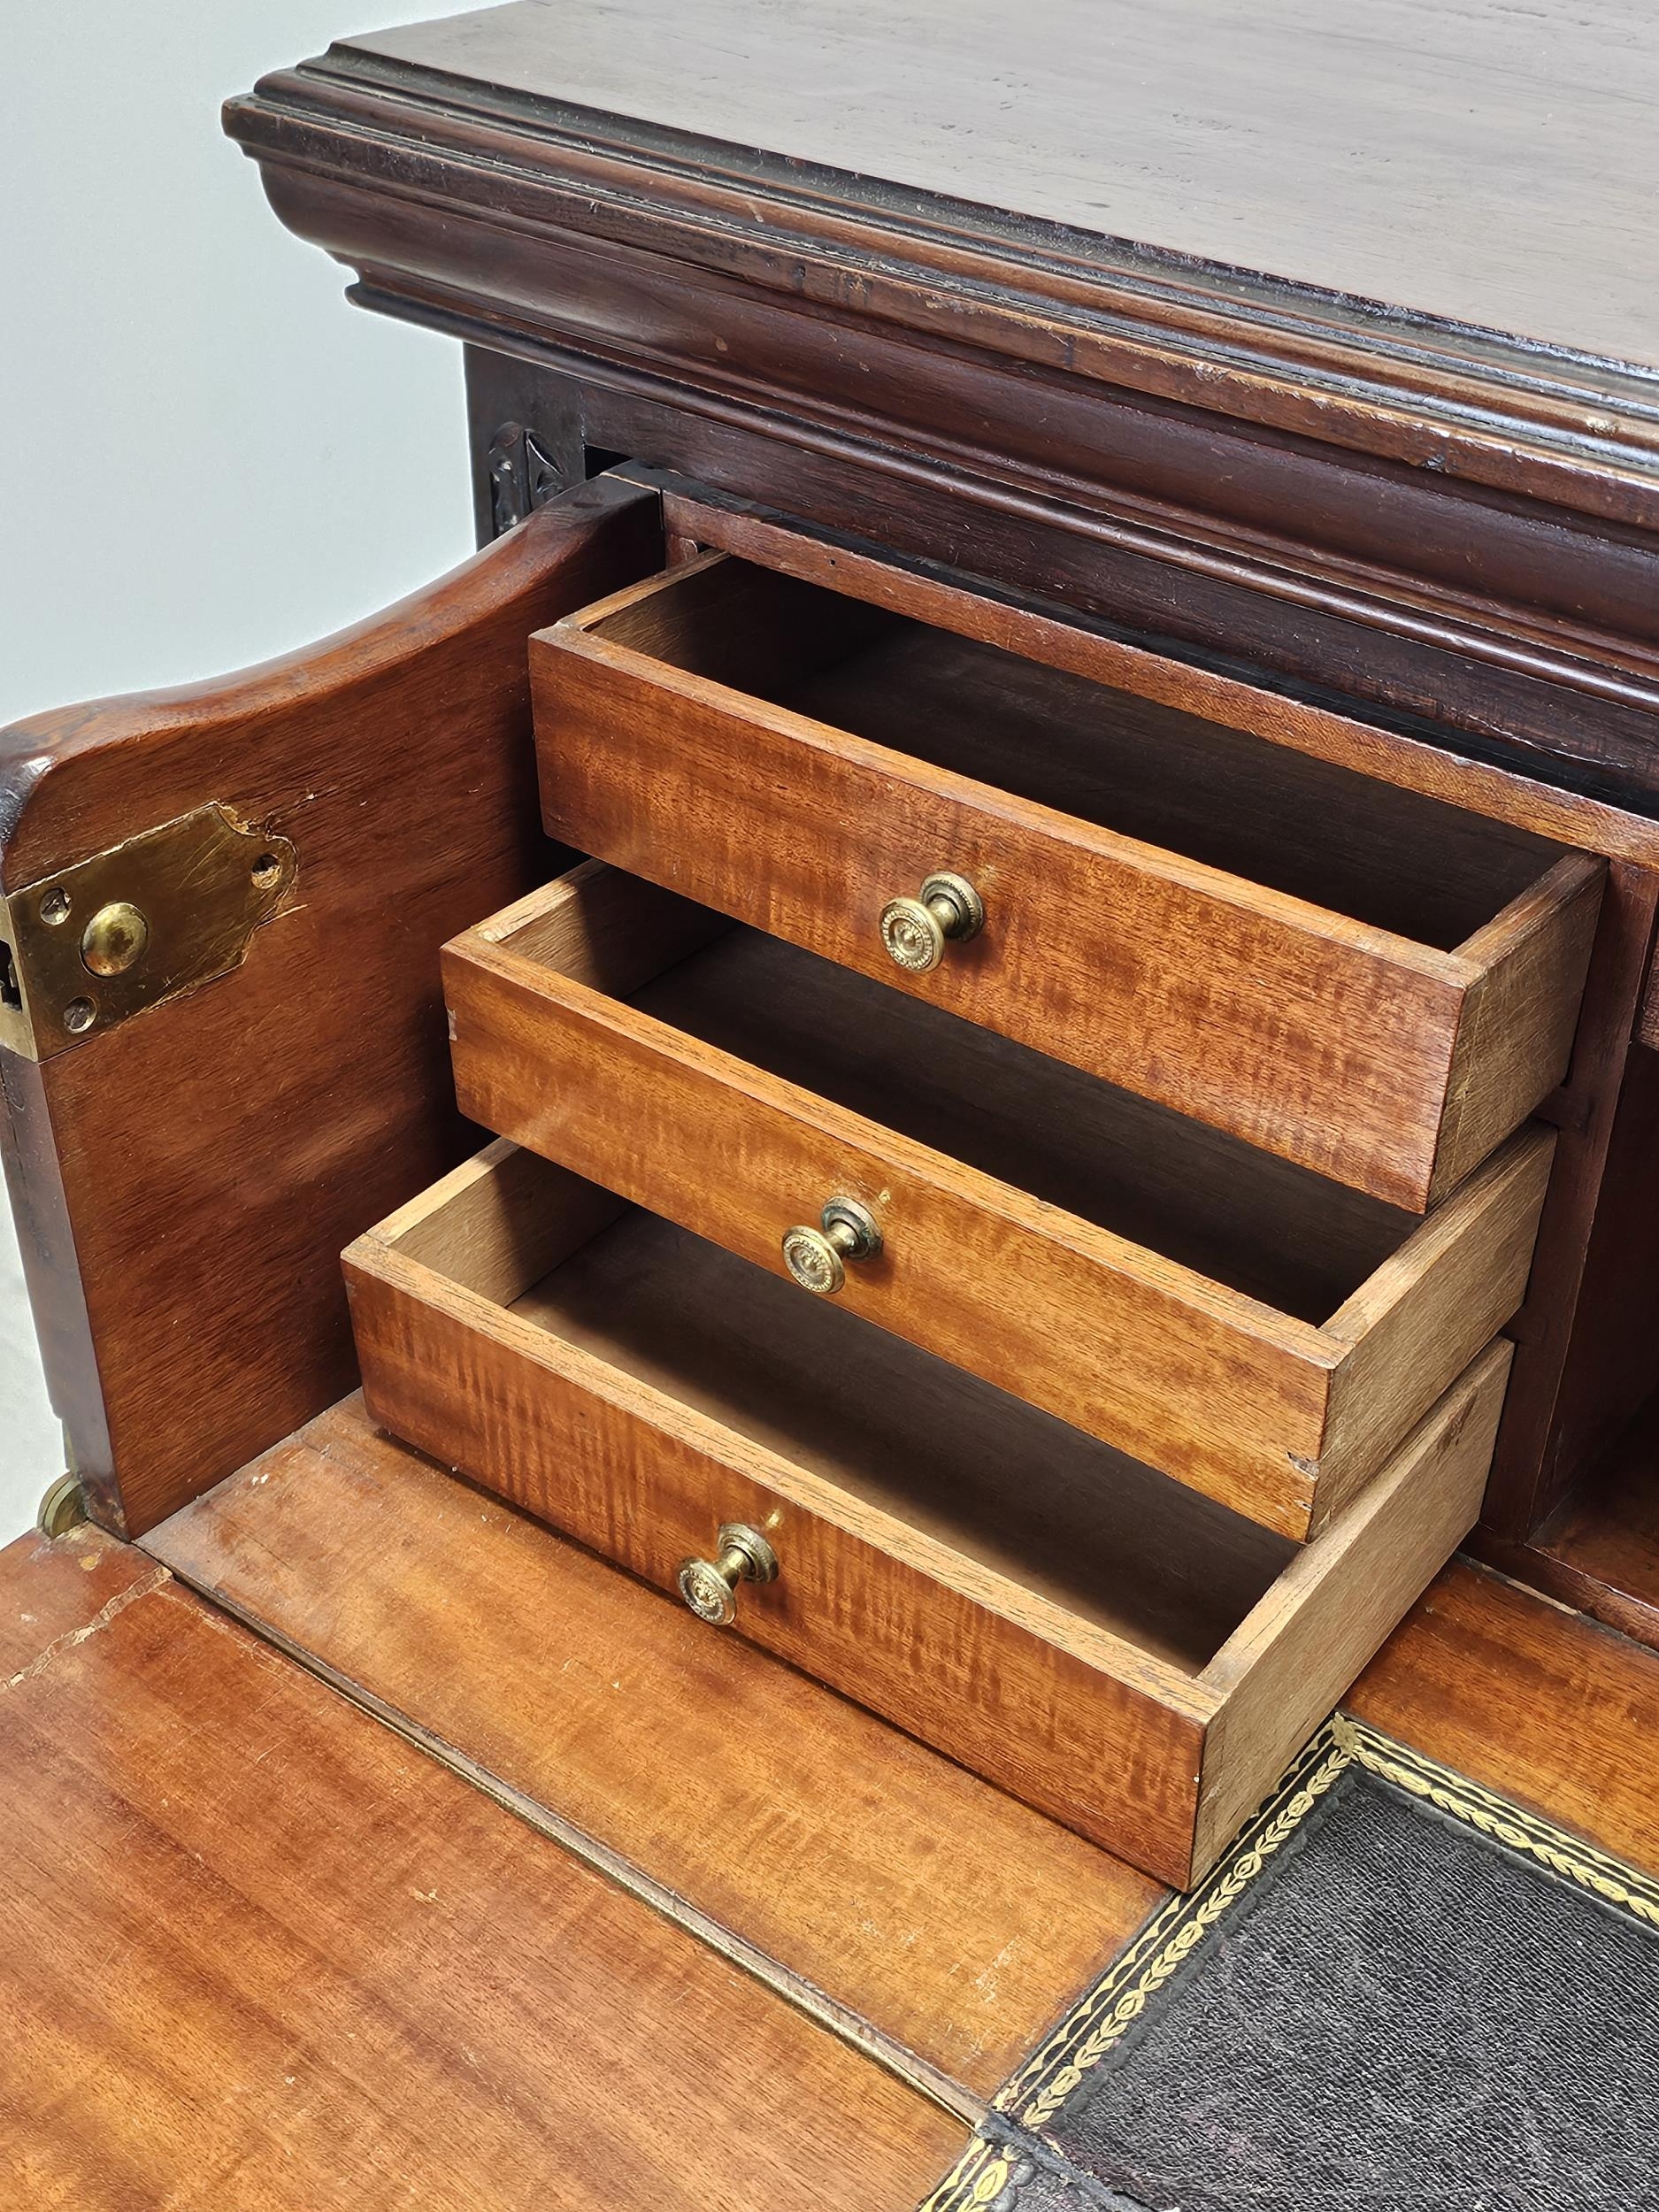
(87, 947)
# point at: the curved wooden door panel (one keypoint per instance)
(184, 1183)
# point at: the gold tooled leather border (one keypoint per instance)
(1033, 2098)
(977, 2178)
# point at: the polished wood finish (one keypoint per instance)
(1611, 1363)
(1276, 1676)
(1266, 1337)
(1204, 453)
(183, 1184)
(1270, 604)
(1588, 1356)
(761, 223)
(1353, 977)
(1258, 142)
(259, 1952)
(923, 314)
(651, 1387)
(874, 1878)
(1005, 1680)
(392, 1569)
(1586, 1360)
(1093, 1534)
(1530, 1700)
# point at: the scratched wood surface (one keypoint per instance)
(416, 1591)
(923, 1900)
(316, 1909)
(1476, 162)
(256, 1951)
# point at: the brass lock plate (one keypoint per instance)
(91, 946)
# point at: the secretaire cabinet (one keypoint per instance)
(980, 999)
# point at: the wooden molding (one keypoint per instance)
(1469, 405)
(1457, 524)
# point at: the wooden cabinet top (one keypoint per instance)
(1420, 235)
(1487, 163)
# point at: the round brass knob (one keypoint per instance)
(816, 1258)
(915, 931)
(710, 1586)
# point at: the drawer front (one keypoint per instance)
(1276, 1419)
(649, 1483)
(1338, 1046)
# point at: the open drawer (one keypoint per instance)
(1263, 1334)
(1130, 1658)
(1364, 981)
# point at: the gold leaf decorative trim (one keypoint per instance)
(977, 2178)
(1568, 1856)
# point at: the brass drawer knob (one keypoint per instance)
(816, 1258)
(916, 931)
(710, 1586)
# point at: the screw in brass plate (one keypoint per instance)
(114, 939)
(55, 907)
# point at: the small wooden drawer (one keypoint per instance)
(1375, 985)
(1127, 1657)
(1265, 1335)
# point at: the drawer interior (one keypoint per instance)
(1004, 1485)
(1315, 830)
(1253, 1222)
(1132, 1658)
(1258, 1224)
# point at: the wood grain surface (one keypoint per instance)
(1599, 1551)
(857, 1862)
(1478, 166)
(1007, 1681)
(1609, 1532)
(184, 1184)
(1588, 1356)
(859, 753)
(832, 1084)
(1288, 478)
(52, 1594)
(1528, 1699)
(259, 1952)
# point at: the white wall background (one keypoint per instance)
(206, 457)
